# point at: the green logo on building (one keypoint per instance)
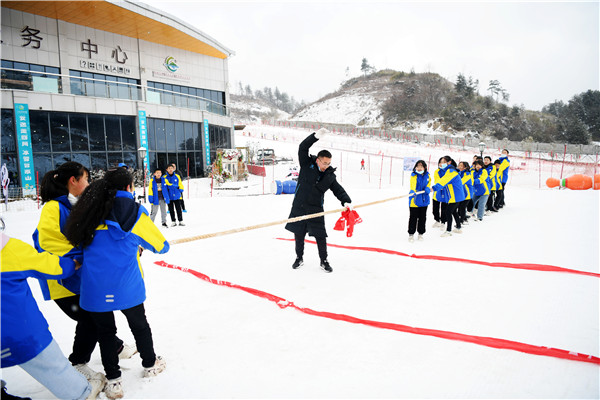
(171, 64)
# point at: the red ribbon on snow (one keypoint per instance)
(350, 218)
(479, 340)
(528, 266)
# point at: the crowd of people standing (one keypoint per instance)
(460, 192)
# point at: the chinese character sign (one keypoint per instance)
(206, 142)
(30, 36)
(144, 137)
(24, 148)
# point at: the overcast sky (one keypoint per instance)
(538, 51)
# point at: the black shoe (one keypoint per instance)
(165, 225)
(8, 396)
(298, 263)
(325, 266)
(494, 209)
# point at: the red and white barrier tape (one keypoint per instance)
(479, 340)
(534, 267)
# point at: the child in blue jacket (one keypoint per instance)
(419, 181)
(111, 226)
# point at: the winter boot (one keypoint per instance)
(97, 386)
(127, 351)
(87, 372)
(325, 266)
(114, 388)
(298, 263)
(158, 367)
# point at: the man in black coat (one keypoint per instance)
(315, 178)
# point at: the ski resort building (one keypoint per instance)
(109, 82)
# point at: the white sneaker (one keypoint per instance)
(97, 387)
(173, 223)
(487, 213)
(114, 388)
(458, 230)
(128, 351)
(411, 238)
(181, 223)
(442, 227)
(158, 367)
(88, 373)
(436, 224)
(420, 238)
(446, 234)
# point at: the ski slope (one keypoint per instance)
(220, 342)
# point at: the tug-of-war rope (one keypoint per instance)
(479, 340)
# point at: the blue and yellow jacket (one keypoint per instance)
(438, 195)
(480, 179)
(24, 329)
(49, 237)
(467, 179)
(418, 183)
(111, 275)
(491, 171)
(174, 186)
(503, 170)
(153, 189)
(451, 185)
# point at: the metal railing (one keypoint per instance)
(19, 79)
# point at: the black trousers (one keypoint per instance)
(321, 245)
(437, 215)
(417, 219)
(182, 204)
(470, 204)
(86, 334)
(500, 197)
(452, 211)
(462, 210)
(175, 204)
(490, 200)
(107, 337)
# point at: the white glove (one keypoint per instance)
(349, 206)
(320, 134)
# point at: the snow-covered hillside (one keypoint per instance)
(248, 110)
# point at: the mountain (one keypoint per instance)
(249, 109)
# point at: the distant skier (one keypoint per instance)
(362, 164)
(315, 178)
(293, 173)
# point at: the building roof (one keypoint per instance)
(127, 18)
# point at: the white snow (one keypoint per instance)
(221, 342)
(351, 107)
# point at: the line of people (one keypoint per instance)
(459, 192)
(167, 190)
(89, 241)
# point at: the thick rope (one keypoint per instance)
(284, 221)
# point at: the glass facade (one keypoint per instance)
(102, 141)
(181, 141)
(186, 96)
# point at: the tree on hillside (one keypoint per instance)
(466, 88)
(365, 67)
(495, 88)
(248, 91)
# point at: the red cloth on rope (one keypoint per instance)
(350, 218)
(479, 340)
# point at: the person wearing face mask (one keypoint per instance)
(452, 186)
(315, 178)
(110, 227)
(419, 181)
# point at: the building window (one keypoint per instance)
(35, 77)
(101, 85)
(184, 96)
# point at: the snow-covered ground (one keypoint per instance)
(354, 108)
(224, 343)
